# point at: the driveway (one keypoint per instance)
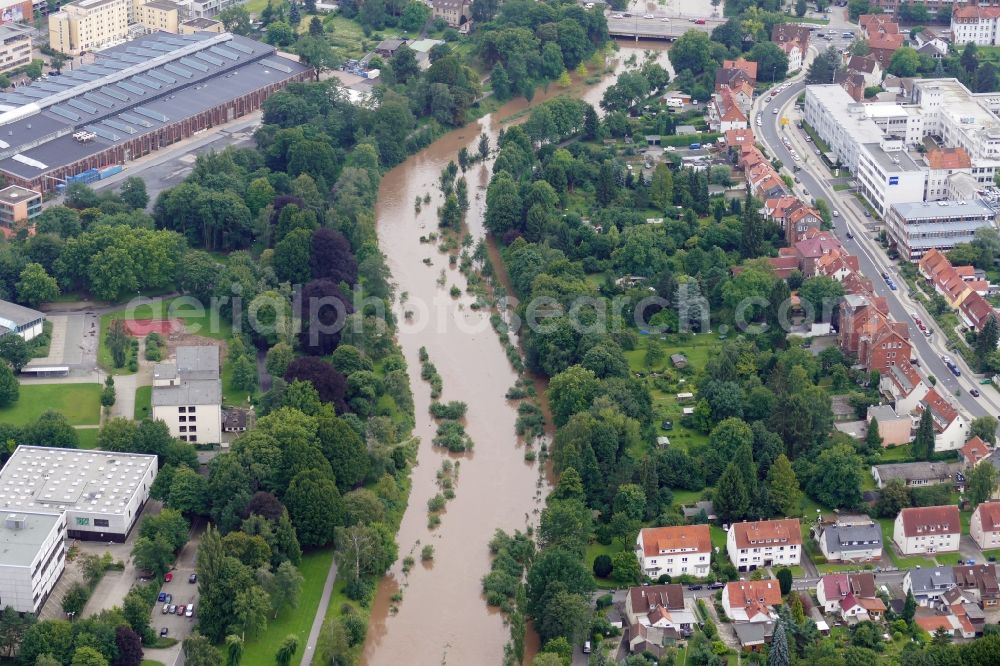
(183, 592)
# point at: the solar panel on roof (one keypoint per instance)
(157, 46)
(149, 113)
(117, 94)
(276, 65)
(98, 99)
(201, 55)
(125, 85)
(48, 87)
(157, 74)
(135, 120)
(179, 71)
(225, 53)
(128, 129)
(194, 64)
(149, 83)
(34, 93)
(103, 133)
(170, 39)
(115, 65)
(64, 112)
(131, 58)
(142, 51)
(83, 106)
(233, 44)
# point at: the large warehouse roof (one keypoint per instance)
(51, 479)
(131, 90)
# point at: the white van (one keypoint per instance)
(586, 647)
(675, 102)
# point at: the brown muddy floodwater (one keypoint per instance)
(443, 617)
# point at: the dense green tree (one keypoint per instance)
(732, 501)
(982, 483)
(837, 479)
(905, 62)
(10, 390)
(315, 507)
(986, 342)
(783, 487)
(984, 427)
(36, 285)
(923, 440)
(15, 351)
(199, 651)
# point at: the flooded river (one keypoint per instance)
(443, 617)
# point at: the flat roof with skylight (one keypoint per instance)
(40, 478)
(22, 534)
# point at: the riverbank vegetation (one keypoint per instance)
(657, 411)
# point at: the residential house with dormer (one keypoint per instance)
(751, 600)
(927, 530)
(764, 543)
(675, 551)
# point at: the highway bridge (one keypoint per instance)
(637, 27)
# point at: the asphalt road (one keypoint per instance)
(815, 179)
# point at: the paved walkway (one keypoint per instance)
(124, 407)
(324, 603)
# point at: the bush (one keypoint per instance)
(602, 566)
(451, 410)
(133, 365)
(452, 436)
(427, 553)
(604, 601)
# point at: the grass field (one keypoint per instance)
(143, 399)
(79, 403)
(297, 621)
(593, 550)
(231, 397)
(88, 437)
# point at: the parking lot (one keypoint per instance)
(181, 591)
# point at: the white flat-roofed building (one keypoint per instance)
(840, 121)
(20, 320)
(100, 492)
(916, 227)
(32, 557)
(886, 174)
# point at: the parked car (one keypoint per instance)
(974, 393)
(171, 609)
(867, 214)
(193, 578)
(167, 577)
(954, 370)
(169, 598)
(190, 611)
(164, 631)
(718, 585)
(162, 597)
(695, 587)
(181, 609)
(850, 235)
(836, 213)
(667, 425)
(166, 608)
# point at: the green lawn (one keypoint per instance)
(143, 400)
(298, 621)
(718, 537)
(103, 353)
(948, 559)
(150, 662)
(593, 550)
(231, 397)
(896, 454)
(79, 403)
(87, 437)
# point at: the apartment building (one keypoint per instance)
(984, 526)
(158, 15)
(89, 25)
(764, 543)
(15, 46)
(927, 530)
(676, 551)
(17, 11)
(919, 226)
(975, 24)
